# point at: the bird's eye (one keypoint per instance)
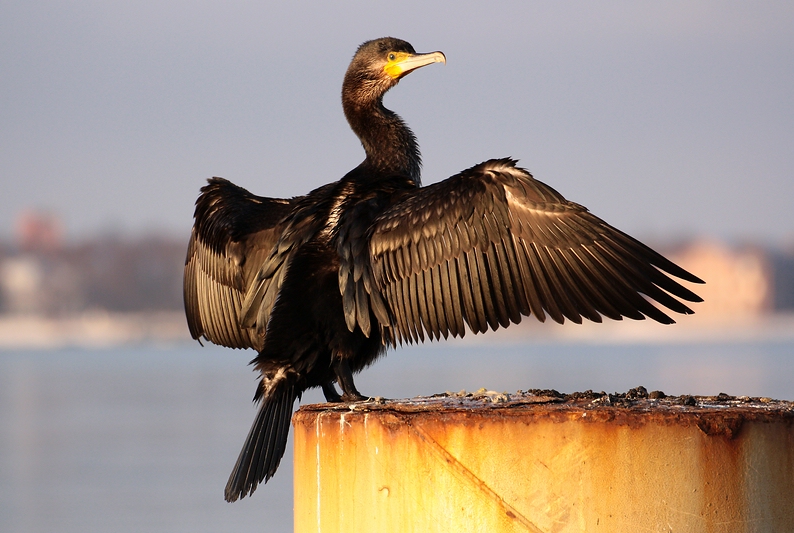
(392, 57)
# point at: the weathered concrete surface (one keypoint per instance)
(546, 462)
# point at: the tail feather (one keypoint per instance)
(265, 444)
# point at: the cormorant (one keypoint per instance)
(320, 284)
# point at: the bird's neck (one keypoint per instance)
(390, 145)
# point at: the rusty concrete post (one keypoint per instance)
(546, 463)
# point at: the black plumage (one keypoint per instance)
(319, 284)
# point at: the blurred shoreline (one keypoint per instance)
(92, 329)
(119, 292)
(101, 329)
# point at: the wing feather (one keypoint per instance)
(233, 234)
(531, 288)
(483, 314)
(544, 284)
(453, 303)
(492, 244)
(438, 301)
(416, 315)
(468, 312)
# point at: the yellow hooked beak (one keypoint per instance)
(401, 63)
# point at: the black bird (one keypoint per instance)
(320, 284)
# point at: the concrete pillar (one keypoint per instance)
(546, 463)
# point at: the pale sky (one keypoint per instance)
(667, 119)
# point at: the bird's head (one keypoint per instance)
(379, 64)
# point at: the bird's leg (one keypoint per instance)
(330, 393)
(345, 379)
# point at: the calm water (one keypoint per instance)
(142, 439)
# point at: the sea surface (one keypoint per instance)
(142, 438)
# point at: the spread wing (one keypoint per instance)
(492, 244)
(233, 236)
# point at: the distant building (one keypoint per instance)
(44, 276)
(782, 265)
(40, 285)
(739, 281)
(20, 282)
(38, 231)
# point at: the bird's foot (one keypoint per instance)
(331, 396)
(355, 397)
(345, 379)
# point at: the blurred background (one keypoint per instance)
(673, 122)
